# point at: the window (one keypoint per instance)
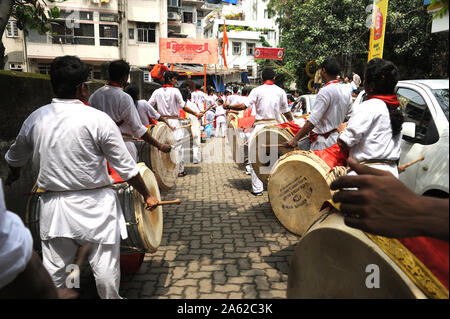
(236, 48)
(416, 110)
(131, 34)
(147, 76)
(11, 30)
(173, 3)
(35, 37)
(268, 14)
(44, 68)
(16, 67)
(82, 33)
(109, 17)
(109, 35)
(87, 15)
(188, 17)
(250, 48)
(146, 32)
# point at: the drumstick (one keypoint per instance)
(282, 145)
(170, 202)
(401, 168)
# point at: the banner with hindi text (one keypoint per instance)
(183, 50)
(379, 17)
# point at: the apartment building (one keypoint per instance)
(96, 31)
(246, 22)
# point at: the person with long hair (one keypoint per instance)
(373, 133)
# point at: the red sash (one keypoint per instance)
(268, 82)
(390, 100)
(167, 86)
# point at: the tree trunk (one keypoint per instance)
(5, 11)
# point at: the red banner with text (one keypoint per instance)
(269, 53)
(180, 50)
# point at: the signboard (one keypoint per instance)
(182, 50)
(379, 17)
(269, 53)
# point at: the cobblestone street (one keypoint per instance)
(221, 242)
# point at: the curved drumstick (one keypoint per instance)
(170, 202)
(401, 168)
(184, 126)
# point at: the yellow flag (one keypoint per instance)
(379, 17)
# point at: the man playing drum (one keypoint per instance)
(71, 144)
(332, 106)
(120, 107)
(195, 129)
(169, 103)
(269, 102)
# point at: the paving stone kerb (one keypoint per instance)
(221, 242)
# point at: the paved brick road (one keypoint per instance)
(221, 242)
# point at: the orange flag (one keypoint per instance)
(224, 42)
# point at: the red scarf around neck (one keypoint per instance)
(390, 100)
(112, 83)
(268, 82)
(332, 82)
(167, 86)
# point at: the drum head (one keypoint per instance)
(162, 164)
(150, 223)
(265, 157)
(336, 261)
(298, 187)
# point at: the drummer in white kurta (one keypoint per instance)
(373, 133)
(120, 107)
(269, 102)
(70, 143)
(199, 97)
(169, 103)
(331, 108)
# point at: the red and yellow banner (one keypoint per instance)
(379, 17)
(181, 50)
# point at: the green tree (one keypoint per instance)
(316, 29)
(29, 14)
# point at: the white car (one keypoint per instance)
(425, 104)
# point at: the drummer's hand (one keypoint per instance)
(199, 115)
(291, 143)
(381, 204)
(173, 128)
(150, 203)
(165, 148)
(342, 127)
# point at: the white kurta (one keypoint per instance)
(369, 134)
(199, 98)
(146, 112)
(195, 129)
(120, 107)
(16, 244)
(332, 106)
(169, 102)
(268, 102)
(220, 121)
(70, 143)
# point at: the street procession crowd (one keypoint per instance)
(79, 139)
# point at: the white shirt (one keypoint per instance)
(168, 100)
(199, 98)
(16, 244)
(234, 99)
(192, 106)
(332, 105)
(120, 107)
(220, 111)
(268, 101)
(70, 143)
(146, 112)
(369, 133)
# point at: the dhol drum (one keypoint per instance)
(163, 165)
(144, 227)
(235, 139)
(335, 261)
(265, 145)
(298, 187)
(195, 127)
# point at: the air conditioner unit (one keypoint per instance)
(172, 15)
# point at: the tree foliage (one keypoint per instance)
(316, 29)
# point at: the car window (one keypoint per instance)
(442, 98)
(416, 110)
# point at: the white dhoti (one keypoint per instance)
(58, 253)
(221, 126)
(196, 138)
